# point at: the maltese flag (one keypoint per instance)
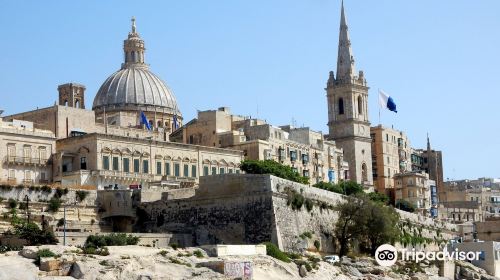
(386, 101)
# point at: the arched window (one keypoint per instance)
(360, 105)
(341, 106)
(65, 102)
(364, 172)
(133, 56)
(77, 103)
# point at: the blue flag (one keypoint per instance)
(386, 101)
(176, 124)
(145, 121)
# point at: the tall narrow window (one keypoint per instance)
(177, 170)
(214, 170)
(83, 163)
(145, 166)
(186, 170)
(341, 106)
(158, 168)
(167, 168)
(360, 105)
(77, 103)
(136, 165)
(193, 171)
(105, 162)
(205, 170)
(115, 163)
(126, 165)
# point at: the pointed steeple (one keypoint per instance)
(345, 60)
(428, 143)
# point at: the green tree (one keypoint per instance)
(351, 219)
(405, 206)
(381, 225)
(274, 168)
(378, 197)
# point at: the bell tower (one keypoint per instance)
(72, 95)
(348, 123)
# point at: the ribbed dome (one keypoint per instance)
(135, 87)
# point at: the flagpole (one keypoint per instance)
(379, 122)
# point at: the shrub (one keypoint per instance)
(33, 234)
(92, 222)
(60, 223)
(44, 253)
(317, 244)
(275, 252)
(174, 246)
(81, 195)
(95, 251)
(305, 235)
(378, 197)
(113, 239)
(12, 203)
(309, 205)
(54, 204)
(104, 263)
(60, 192)
(198, 254)
(405, 206)
(5, 248)
(23, 205)
(296, 200)
(46, 189)
(274, 168)
(308, 267)
(294, 256)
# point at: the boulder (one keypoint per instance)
(302, 271)
(49, 264)
(78, 270)
(29, 252)
(352, 271)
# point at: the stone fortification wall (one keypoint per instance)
(250, 209)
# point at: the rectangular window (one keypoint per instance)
(83, 163)
(237, 171)
(126, 165)
(105, 162)
(43, 154)
(158, 168)
(167, 168)
(186, 170)
(221, 170)
(177, 170)
(27, 175)
(193, 171)
(115, 163)
(205, 170)
(145, 166)
(230, 171)
(137, 166)
(214, 170)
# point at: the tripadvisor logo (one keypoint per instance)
(387, 255)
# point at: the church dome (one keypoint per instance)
(134, 87)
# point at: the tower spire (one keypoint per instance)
(133, 24)
(428, 143)
(345, 60)
(133, 48)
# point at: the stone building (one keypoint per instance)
(391, 155)
(110, 146)
(118, 162)
(414, 187)
(430, 161)
(348, 122)
(459, 212)
(25, 153)
(305, 150)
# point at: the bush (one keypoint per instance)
(60, 223)
(95, 251)
(33, 234)
(113, 239)
(198, 254)
(275, 252)
(12, 203)
(405, 206)
(378, 197)
(44, 253)
(60, 192)
(308, 267)
(296, 200)
(274, 168)
(174, 246)
(81, 195)
(305, 235)
(309, 205)
(6, 248)
(54, 204)
(344, 187)
(317, 244)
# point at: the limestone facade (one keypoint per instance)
(391, 155)
(414, 187)
(305, 150)
(118, 162)
(25, 153)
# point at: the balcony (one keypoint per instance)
(26, 161)
(27, 181)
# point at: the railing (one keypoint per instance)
(26, 160)
(27, 181)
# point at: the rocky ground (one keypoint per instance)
(143, 263)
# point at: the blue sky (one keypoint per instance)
(438, 59)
